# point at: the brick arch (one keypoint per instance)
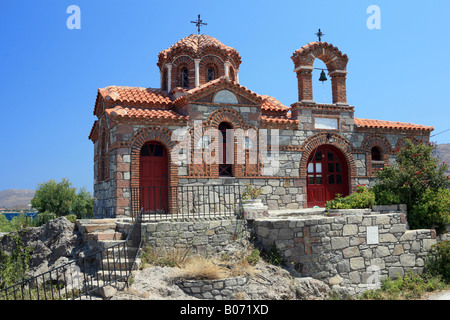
(341, 143)
(375, 140)
(329, 54)
(211, 61)
(152, 133)
(228, 115)
(179, 64)
(336, 63)
(402, 142)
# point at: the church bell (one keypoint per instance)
(323, 77)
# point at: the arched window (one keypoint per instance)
(164, 80)
(210, 75)
(231, 74)
(376, 154)
(225, 169)
(185, 78)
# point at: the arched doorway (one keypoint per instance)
(154, 178)
(327, 175)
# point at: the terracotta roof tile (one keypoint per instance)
(143, 113)
(272, 104)
(136, 96)
(196, 43)
(278, 119)
(368, 123)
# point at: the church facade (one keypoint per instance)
(203, 128)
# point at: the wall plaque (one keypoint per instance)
(326, 123)
(372, 235)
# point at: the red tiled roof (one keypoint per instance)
(224, 82)
(272, 104)
(368, 123)
(143, 113)
(196, 43)
(278, 119)
(136, 96)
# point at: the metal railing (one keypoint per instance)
(194, 201)
(84, 277)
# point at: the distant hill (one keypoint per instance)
(15, 198)
(443, 153)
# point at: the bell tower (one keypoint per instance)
(336, 63)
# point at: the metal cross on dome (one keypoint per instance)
(199, 23)
(320, 35)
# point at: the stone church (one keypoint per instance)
(321, 149)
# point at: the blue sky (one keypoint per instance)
(49, 74)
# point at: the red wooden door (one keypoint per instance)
(225, 169)
(154, 179)
(327, 176)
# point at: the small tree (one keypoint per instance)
(54, 197)
(83, 204)
(419, 181)
(61, 199)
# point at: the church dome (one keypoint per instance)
(197, 45)
(196, 60)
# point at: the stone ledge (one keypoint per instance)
(220, 289)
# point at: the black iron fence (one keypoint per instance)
(195, 201)
(82, 278)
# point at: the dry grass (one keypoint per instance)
(198, 267)
(202, 268)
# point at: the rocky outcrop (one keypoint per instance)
(53, 244)
(268, 282)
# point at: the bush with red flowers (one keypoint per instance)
(419, 181)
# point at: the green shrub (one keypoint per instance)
(251, 192)
(419, 181)
(438, 261)
(411, 286)
(272, 255)
(361, 199)
(14, 266)
(5, 225)
(432, 210)
(253, 257)
(72, 218)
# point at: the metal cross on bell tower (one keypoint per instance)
(199, 23)
(320, 35)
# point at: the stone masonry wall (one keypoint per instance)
(348, 250)
(207, 235)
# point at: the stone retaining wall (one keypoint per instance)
(206, 235)
(350, 250)
(221, 289)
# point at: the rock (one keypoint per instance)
(311, 289)
(107, 292)
(53, 245)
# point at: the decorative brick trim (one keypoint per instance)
(214, 62)
(103, 156)
(340, 143)
(228, 115)
(178, 65)
(163, 136)
(375, 140)
(335, 61)
(401, 142)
